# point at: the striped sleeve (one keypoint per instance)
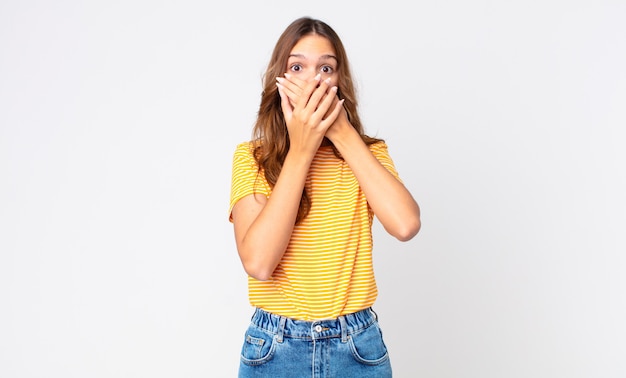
(381, 153)
(246, 178)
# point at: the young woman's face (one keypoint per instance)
(313, 54)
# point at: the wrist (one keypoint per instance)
(343, 135)
(298, 159)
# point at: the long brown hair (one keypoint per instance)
(270, 130)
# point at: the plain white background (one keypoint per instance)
(118, 120)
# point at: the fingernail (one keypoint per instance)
(287, 75)
(334, 89)
(318, 76)
(327, 81)
(279, 79)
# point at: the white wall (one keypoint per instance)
(118, 120)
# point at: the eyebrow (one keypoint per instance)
(323, 57)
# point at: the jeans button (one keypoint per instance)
(318, 328)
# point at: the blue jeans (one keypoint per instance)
(349, 346)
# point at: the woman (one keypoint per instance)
(303, 197)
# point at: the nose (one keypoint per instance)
(310, 74)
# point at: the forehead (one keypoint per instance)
(313, 45)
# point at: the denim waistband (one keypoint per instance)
(317, 329)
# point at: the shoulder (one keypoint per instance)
(243, 157)
(380, 151)
(246, 149)
(379, 147)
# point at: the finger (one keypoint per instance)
(305, 97)
(289, 89)
(324, 105)
(332, 106)
(299, 83)
(284, 102)
(294, 87)
(319, 94)
(332, 117)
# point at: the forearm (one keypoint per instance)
(263, 228)
(268, 236)
(392, 203)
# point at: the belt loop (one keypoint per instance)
(344, 329)
(281, 328)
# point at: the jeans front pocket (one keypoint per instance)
(258, 346)
(368, 346)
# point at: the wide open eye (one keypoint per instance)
(327, 70)
(296, 67)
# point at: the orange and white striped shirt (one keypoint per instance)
(327, 268)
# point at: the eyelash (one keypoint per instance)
(331, 70)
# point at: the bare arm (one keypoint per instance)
(263, 227)
(391, 202)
